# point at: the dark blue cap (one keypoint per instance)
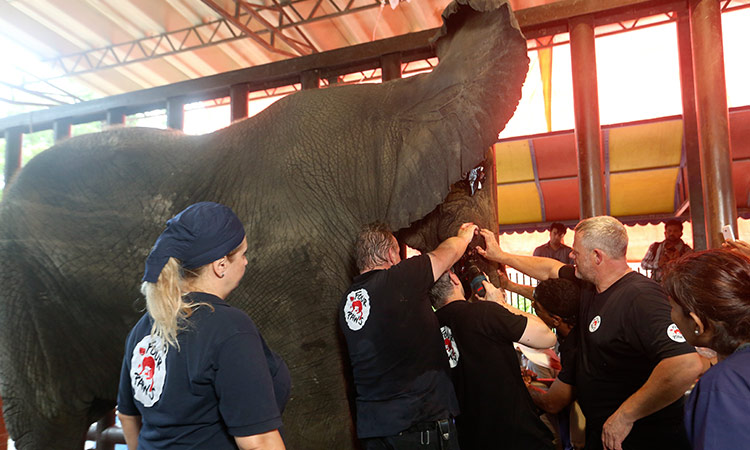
(200, 234)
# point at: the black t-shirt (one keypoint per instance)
(496, 409)
(223, 382)
(400, 371)
(624, 332)
(568, 350)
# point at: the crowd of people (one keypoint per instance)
(434, 365)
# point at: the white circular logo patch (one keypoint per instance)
(595, 322)
(675, 334)
(148, 369)
(357, 309)
(450, 346)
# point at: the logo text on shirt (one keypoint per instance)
(148, 369)
(675, 334)
(357, 309)
(595, 322)
(450, 346)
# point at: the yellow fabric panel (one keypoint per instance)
(645, 146)
(645, 192)
(513, 162)
(518, 203)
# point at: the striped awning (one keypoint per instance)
(644, 173)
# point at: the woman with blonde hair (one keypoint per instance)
(710, 296)
(196, 373)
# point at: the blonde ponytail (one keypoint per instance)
(165, 304)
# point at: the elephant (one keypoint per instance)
(78, 221)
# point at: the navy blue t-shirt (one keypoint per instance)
(223, 382)
(717, 415)
(396, 350)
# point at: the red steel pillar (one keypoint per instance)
(588, 128)
(713, 119)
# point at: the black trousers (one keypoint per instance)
(424, 436)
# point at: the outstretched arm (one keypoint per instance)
(520, 289)
(667, 383)
(558, 396)
(450, 250)
(533, 266)
(536, 334)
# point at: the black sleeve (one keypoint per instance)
(567, 272)
(412, 276)
(655, 330)
(568, 351)
(500, 323)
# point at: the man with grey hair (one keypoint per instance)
(496, 408)
(404, 395)
(633, 365)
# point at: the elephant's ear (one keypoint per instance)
(448, 119)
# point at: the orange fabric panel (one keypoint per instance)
(647, 145)
(741, 179)
(645, 192)
(561, 199)
(739, 134)
(513, 162)
(556, 156)
(518, 203)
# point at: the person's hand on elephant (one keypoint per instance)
(493, 252)
(467, 231)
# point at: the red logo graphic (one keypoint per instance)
(148, 366)
(356, 307)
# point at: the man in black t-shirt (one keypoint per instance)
(633, 365)
(404, 395)
(496, 409)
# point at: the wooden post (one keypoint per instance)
(238, 100)
(175, 113)
(586, 105)
(713, 119)
(310, 79)
(13, 145)
(61, 129)
(116, 116)
(390, 65)
(690, 132)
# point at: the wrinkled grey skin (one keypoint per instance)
(77, 223)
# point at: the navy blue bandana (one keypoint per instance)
(200, 234)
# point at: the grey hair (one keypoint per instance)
(374, 241)
(441, 290)
(604, 233)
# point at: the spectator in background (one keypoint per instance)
(555, 248)
(661, 254)
(710, 296)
